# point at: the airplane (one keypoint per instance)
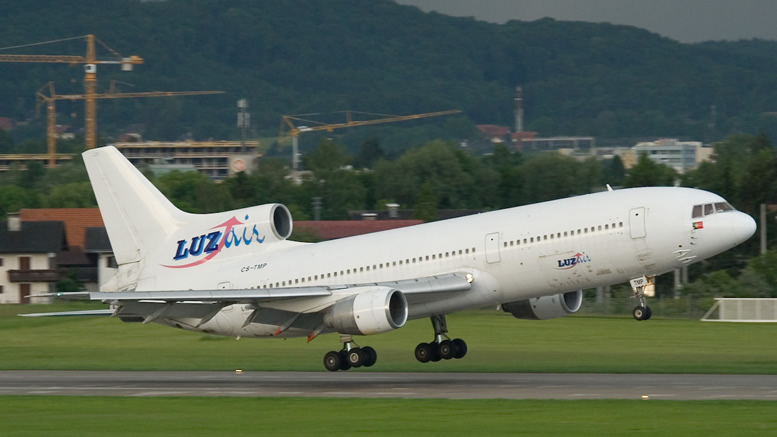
(236, 273)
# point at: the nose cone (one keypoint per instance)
(742, 227)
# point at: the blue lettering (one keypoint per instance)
(196, 249)
(258, 240)
(213, 242)
(181, 253)
(234, 240)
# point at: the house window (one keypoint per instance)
(24, 263)
(110, 262)
(1, 262)
(1, 289)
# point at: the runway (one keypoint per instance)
(391, 385)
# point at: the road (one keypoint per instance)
(390, 385)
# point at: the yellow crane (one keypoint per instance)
(51, 134)
(90, 62)
(312, 126)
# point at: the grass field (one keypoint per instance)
(497, 343)
(95, 416)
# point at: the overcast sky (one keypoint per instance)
(682, 20)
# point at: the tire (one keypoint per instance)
(648, 313)
(434, 355)
(355, 357)
(460, 348)
(333, 361)
(423, 352)
(638, 313)
(344, 364)
(447, 350)
(370, 356)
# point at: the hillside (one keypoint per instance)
(303, 56)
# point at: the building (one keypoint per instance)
(75, 259)
(215, 159)
(28, 252)
(679, 155)
(98, 247)
(574, 145)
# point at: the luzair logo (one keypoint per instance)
(568, 263)
(203, 248)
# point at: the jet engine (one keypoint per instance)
(545, 307)
(278, 217)
(372, 310)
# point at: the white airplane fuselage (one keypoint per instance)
(514, 254)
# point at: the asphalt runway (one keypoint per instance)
(391, 385)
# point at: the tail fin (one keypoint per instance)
(137, 216)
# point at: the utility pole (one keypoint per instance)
(763, 228)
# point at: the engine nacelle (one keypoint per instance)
(372, 311)
(278, 217)
(545, 307)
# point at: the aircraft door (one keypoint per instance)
(637, 223)
(492, 248)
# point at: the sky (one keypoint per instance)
(682, 20)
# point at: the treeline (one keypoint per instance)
(303, 56)
(442, 175)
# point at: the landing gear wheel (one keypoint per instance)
(446, 350)
(423, 352)
(460, 348)
(333, 361)
(434, 352)
(344, 363)
(355, 357)
(370, 356)
(642, 313)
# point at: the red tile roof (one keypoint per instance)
(329, 230)
(76, 221)
(493, 130)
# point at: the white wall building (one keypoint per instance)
(28, 258)
(680, 155)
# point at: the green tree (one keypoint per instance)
(369, 153)
(426, 205)
(72, 195)
(6, 142)
(13, 198)
(648, 173)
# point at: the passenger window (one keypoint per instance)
(709, 209)
(697, 213)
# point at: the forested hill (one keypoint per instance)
(303, 56)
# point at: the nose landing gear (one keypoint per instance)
(638, 286)
(442, 347)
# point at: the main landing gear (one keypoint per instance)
(349, 356)
(439, 348)
(638, 286)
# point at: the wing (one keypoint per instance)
(282, 304)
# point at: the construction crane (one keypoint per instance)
(90, 62)
(52, 97)
(313, 126)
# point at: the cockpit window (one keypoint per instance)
(711, 208)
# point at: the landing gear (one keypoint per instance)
(638, 286)
(349, 356)
(439, 348)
